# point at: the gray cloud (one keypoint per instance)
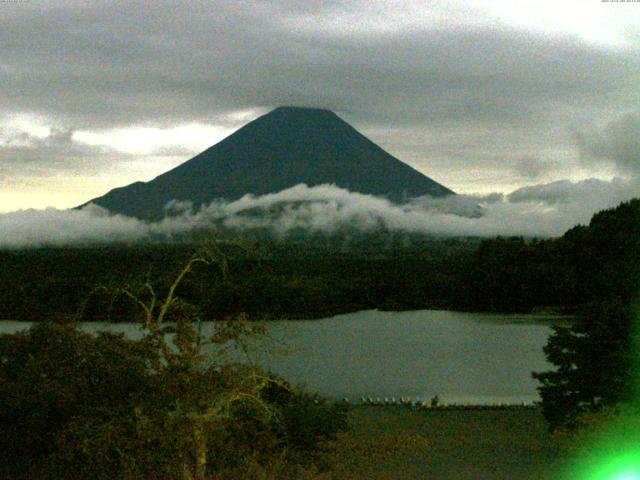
(540, 210)
(618, 142)
(26, 155)
(591, 194)
(466, 96)
(105, 63)
(533, 167)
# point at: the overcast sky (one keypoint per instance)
(482, 96)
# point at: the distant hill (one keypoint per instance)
(286, 147)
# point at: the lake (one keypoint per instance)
(461, 357)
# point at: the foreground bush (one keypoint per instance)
(76, 405)
(53, 379)
(80, 406)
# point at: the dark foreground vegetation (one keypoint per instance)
(305, 276)
(76, 405)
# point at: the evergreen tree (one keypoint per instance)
(594, 360)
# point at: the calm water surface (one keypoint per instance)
(461, 357)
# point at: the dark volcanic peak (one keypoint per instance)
(292, 109)
(285, 147)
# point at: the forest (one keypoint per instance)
(313, 276)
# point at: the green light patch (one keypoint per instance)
(620, 466)
(609, 450)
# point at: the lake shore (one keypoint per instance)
(541, 315)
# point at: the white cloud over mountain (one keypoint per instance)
(540, 210)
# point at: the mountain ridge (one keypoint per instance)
(285, 147)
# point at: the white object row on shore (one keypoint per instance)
(434, 403)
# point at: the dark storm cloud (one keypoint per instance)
(115, 63)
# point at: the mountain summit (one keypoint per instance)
(285, 147)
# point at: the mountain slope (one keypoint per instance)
(285, 147)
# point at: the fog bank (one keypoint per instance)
(544, 210)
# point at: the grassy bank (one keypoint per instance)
(464, 444)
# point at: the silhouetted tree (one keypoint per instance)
(593, 362)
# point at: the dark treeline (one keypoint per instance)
(314, 276)
(292, 278)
